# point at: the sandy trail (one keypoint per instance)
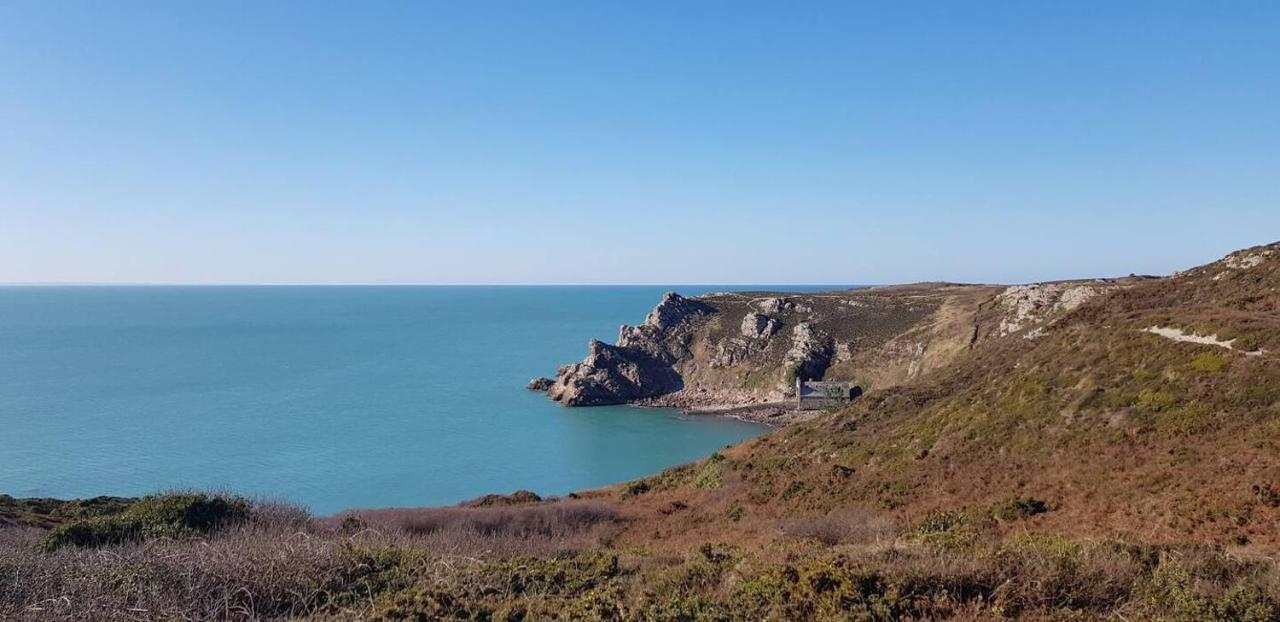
(1177, 334)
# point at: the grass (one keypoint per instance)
(283, 570)
(158, 516)
(1096, 472)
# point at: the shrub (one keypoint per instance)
(1175, 590)
(843, 526)
(1155, 400)
(941, 521)
(1018, 508)
(159, 516)
(709, 474)
(533, 529)
(945, 528)
(638, 487)
(1208, 362)
(1245, 343)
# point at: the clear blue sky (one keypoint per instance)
(633, 142)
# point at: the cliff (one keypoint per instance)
(1093, 451)
(747, 348)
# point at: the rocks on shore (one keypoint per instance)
(540, 384)
(639, 366)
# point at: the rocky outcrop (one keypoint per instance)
(783, 304)
(755, 331)
(810, 355)
(674, 311)
(640, 365)
(613, 375)
(748, 348)
(1026, 306)
(540, 384)
(759, 326)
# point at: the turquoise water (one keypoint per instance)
(335, 397)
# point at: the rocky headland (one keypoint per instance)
(1111, 458)
(740, 353)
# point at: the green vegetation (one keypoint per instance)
(1018, 508)
(1094, 472)
(1209, 362)
(162, 516)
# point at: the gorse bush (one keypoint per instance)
(1208, 362)
(945, 528)
(1018, 508)
(160, 516)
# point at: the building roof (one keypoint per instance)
(824, 388)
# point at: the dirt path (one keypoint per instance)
(1177, 334)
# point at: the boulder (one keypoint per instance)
(613, 375)
(540, 384)
(781, 305)
(759, 326)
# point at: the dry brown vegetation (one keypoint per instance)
(1095, 472)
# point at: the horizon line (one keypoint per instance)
(233, 284)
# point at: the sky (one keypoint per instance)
(633, 142)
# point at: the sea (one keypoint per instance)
(333, 397)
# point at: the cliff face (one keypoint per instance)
(642, 364)
(743, 348)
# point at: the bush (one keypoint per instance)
(941, 521)
(1018, 508)
(1175, 590)
(843, 526)
(945, 528)
(1245, 343)
(160, 516)
(709, 474)
(1208, 362)
(531, 529)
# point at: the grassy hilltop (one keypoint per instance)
(1087, 468)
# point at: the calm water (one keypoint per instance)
(335, 397)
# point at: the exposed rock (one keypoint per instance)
(810, 354)
(759, 326)
(540, 384)
(779, 305)
(1027, 305)
(1243, 260)
(727, 342)
(730, 353)
(640, 365)
(613, 375)
(675, 310)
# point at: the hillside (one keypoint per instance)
(1123, 432)
(730, 350)
(1116, 456)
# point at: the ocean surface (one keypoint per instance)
(334, 397)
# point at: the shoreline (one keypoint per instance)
(771, 411)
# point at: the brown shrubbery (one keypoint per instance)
(538, 561)
(843, 526)
(198, 556)
(534, 529)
